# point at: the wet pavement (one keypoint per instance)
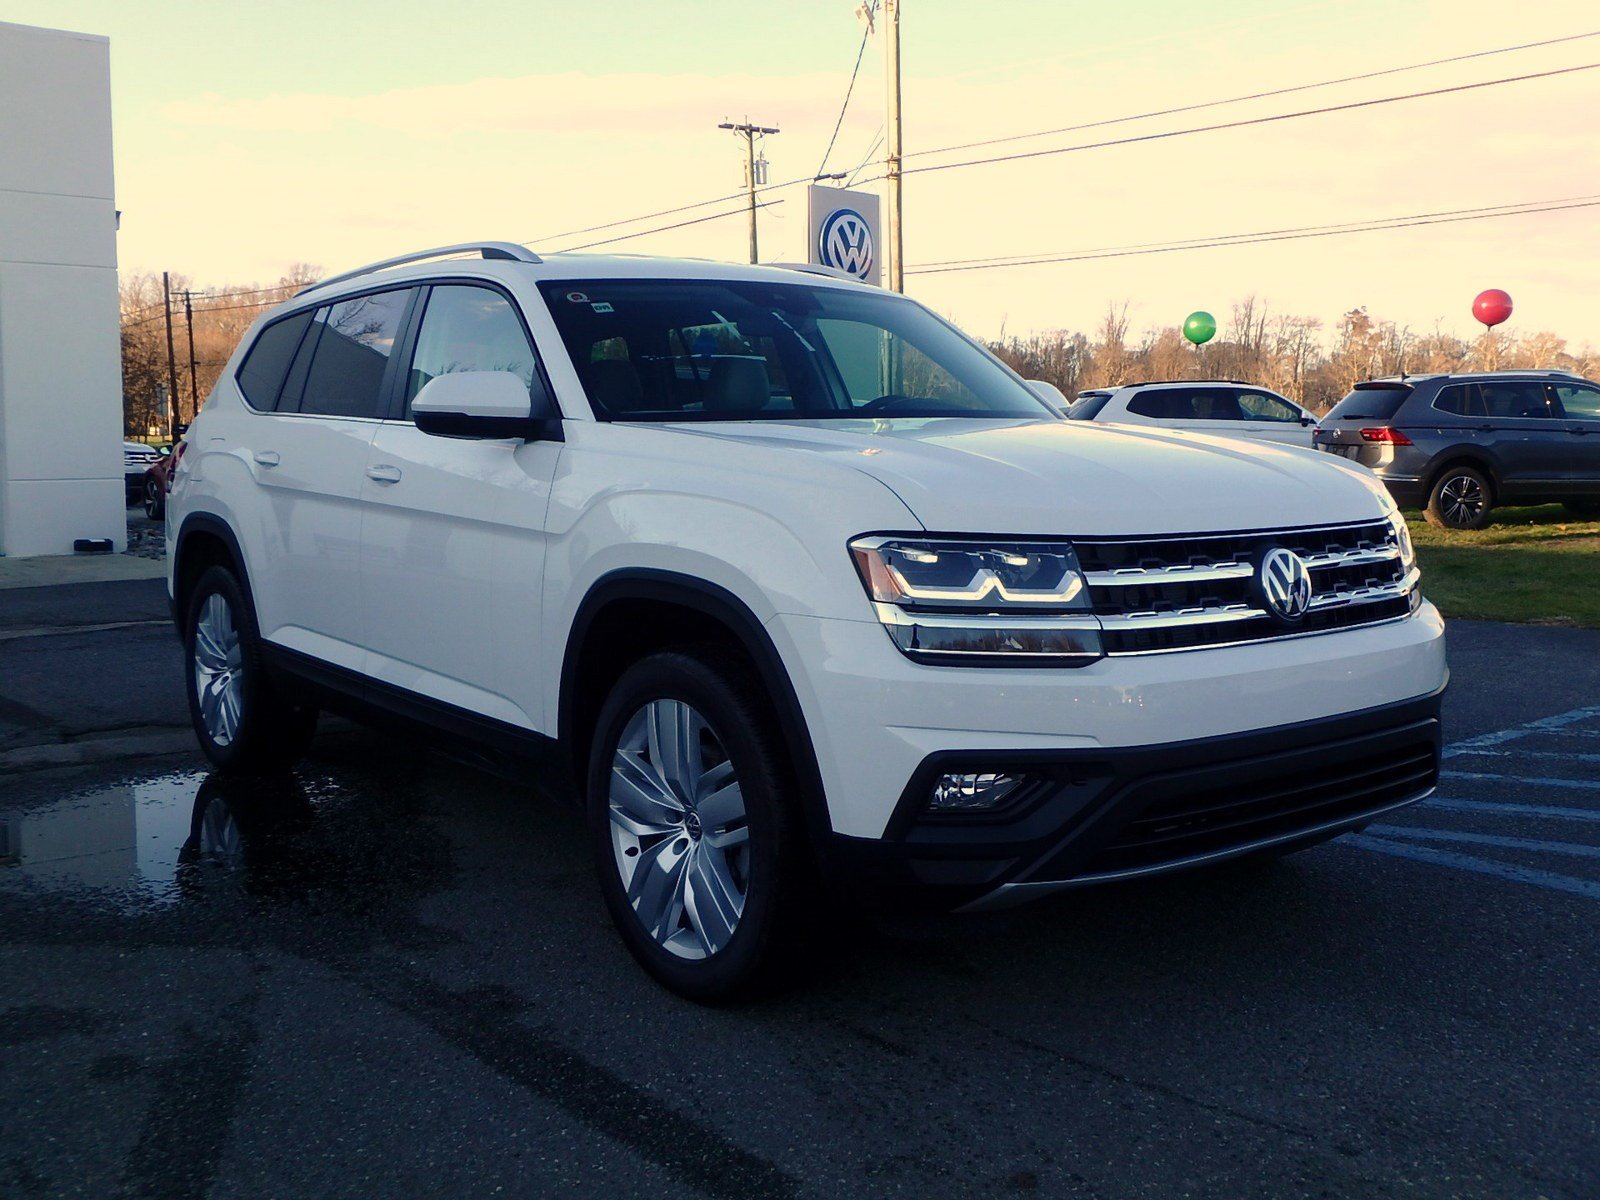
(392, 975)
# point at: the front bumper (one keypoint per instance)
(1109, 814)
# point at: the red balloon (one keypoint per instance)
(1492, 307)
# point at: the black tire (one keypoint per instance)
(1461, 498)
(269, 732)
(1587, 508)
(155, 500)
(766, 943)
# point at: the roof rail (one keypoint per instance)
(817, 269)
(506, 251)
(1182, 382)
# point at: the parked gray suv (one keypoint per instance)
(1457, 445)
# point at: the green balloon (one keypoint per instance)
(1200, 327)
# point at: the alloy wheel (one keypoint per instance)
(218, 662)
(1461, 499)
(679, 829)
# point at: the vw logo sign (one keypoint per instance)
(1285, 584)
(845, 242)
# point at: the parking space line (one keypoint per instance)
(1585, 785)
(1543, 725)
(1514, 810)
(1411, 833)
(1482, 866)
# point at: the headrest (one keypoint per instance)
(738, 385)
(613, 385)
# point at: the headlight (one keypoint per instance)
(980, 602)
(1402, 539)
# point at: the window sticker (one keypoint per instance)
(578, 297)
(600, 306)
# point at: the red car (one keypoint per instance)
(158, 481)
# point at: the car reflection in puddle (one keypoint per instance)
(151, 843)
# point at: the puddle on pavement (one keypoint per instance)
(154, 842)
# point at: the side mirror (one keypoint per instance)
(1308, 421)
(1049, 393)
(484, 404)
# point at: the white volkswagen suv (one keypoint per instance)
(803, 591)
(1223, 407)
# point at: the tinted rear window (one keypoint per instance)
(1087, 406)
(352, 355)
(261, 374)
(1188, 404)
(1370, 403)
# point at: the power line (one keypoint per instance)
(877, 140)
(1072, 128)
(1374, 225)
(1000, 259)
(1303, 87)
(1289, 116)
(866, 32)
(732, 212)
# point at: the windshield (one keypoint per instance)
(714, 350)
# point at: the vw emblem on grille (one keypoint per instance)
(845, 242)
(1285, 584)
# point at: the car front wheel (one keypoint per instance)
(243, 723)
(155, 500)
(1461, 499)
(691, 808)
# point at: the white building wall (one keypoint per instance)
(60, 353)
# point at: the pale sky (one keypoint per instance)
(250, 136)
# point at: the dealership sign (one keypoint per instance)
(843, 232)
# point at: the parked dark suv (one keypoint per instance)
(1457, 445)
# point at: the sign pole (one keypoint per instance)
(891, 55)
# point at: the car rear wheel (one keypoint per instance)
(691, 810)
(243, 723)
(155, 500)
(1586, 508)
(1461, 499)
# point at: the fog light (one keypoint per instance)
(972, 791)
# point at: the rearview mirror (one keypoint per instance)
(485, 404)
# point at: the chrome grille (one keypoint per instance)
(1160, 594)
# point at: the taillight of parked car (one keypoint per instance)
(1386, 436)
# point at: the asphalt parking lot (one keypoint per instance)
(394, 977)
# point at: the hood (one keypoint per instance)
(1048, 477)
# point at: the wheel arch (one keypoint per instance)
(204, 540)
(688, 609)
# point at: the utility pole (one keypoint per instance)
(172, 357)
(194, 388)
(891, 67)
(750, 133)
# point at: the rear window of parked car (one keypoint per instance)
(1369, 403)
(343, 361)
(261, 374)
(1088, 405)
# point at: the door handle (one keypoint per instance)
(1485, 428)
(383, 473)
(266, 458)
(1577, 429)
